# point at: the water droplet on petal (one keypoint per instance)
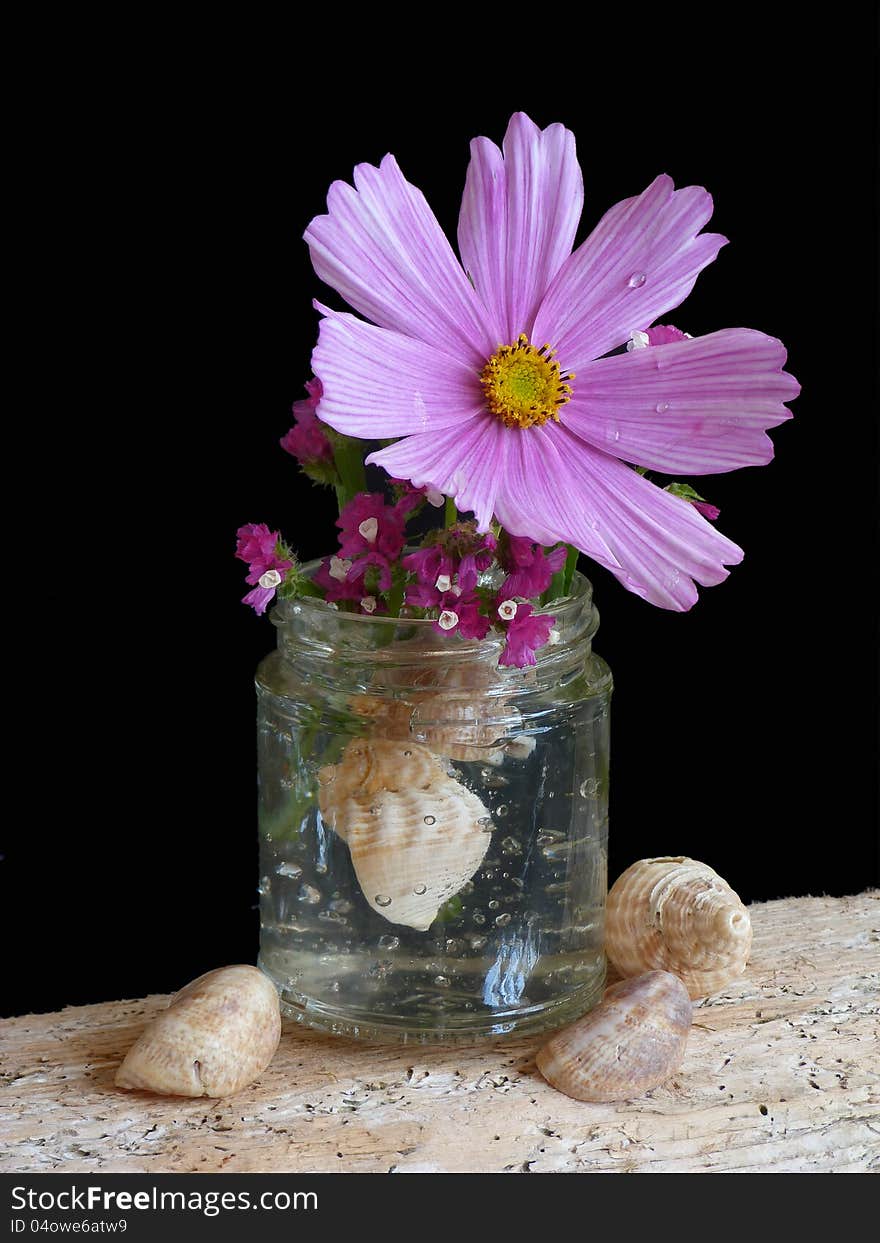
(382, 901)
(662, 407)
(420, 889)
(637, 280)
(430, 819)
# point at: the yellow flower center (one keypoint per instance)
(524, 385)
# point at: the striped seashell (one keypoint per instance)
(416, 835)
(633, 1041)
(217, 1035)
(676, 914)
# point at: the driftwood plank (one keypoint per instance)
(782, 1073)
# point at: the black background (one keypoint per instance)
(166, 322)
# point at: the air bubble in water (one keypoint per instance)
(510, 846)
(308, 893)
(389, 943)
(501, 921)
(501, 811)
(289, 869)
(589, 788)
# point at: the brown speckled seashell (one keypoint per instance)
(676, 914)
(217, 1035)
(416, 835)
(459, 710)
(633, 1041)
(368, 765)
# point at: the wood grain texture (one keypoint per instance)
(781, 1073)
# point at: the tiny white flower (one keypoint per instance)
(435, 498)
(369, 529)
(368, 604)
(507, 610)
(554, 636)
(447, 619)
(339, 567)
(270, 579)
(637, 341)
(443, 583)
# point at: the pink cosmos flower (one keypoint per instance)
(458, 360)
(525, 632)
(307, 440)
(531, 567)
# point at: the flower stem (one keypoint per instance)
(569, 568)
(560, 584)
(348, 457)
(451, 513)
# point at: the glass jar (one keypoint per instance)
(433, 825)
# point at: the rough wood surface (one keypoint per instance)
(782, 1072)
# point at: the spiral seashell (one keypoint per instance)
(676, 914)
(631, 1042)
(416, 835)
(217, 1035)
(458, 710)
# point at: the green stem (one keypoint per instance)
(569, 568)
(348, 457)
(560, 584)
(451, 513)
(395, 595)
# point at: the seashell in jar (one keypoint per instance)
(676, 914)
(416, 835)
(633, 1041)
(459, 710)
(217, 1035)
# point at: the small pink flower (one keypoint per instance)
(332, 577)
(660, 334)
(530, 567)
(359, 569)
(410, 497)
(526, 632)
(360, 535)
(463, 617)
(259, 599)
(259, 547)
(255, 542)
(307, 440)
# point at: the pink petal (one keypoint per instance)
(641, 260)
(518, 218)
(556, 487)
(378, 383)
(699, 406)
(381, 248)
(465, 462)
